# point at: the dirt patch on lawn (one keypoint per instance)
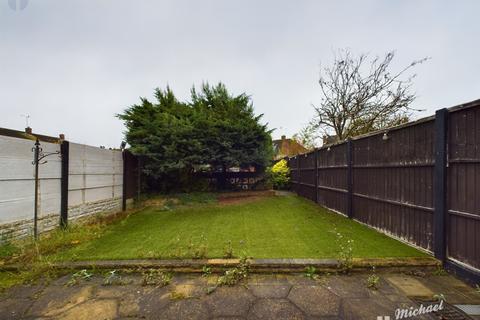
(239, 200)
(231, 198)
(222, 198)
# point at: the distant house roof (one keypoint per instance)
(287, 148)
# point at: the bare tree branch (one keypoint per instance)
(357, 98)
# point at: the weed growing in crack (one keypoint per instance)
(345, 252)
(439, 297)
(373, 280)
(156, 278)
(311, 272)
(80, 275)
(234, 275)
(113, 278)
(440, 272)
(231, 277)
(206, 271)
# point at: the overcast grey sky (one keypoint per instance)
(72, 64)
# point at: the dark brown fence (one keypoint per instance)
(419, 182)
(131, 177)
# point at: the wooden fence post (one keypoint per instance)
(64, 151)
(124, 182)
(139, 176)
(440, 183)
(298, 175)
(349, 179)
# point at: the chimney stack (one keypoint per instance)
(28, 130)
(61, 136)
(283, 137)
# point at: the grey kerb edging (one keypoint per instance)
(255, 265)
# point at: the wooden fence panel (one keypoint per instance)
(463, 186)
(131, 175)
(293, 165)
(306, 176)
(332, 177)
(388, 180)
(393, 182)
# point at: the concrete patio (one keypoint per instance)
(261, 296)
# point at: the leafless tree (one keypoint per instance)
(306, 137)
(361, 95)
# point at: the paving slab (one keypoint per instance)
(270, 290)
(315, 300)
(185, 309)
(455, 291)
(127, 296)
(25, 291)
(275, 309)
(153, 301)
(55, 300)
(379, 306)
(93, 309)
(187, 290)
(230, 301)
(14, 308)
(348, 286)
(364, 308)
(410, 286)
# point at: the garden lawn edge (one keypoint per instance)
(255, 265)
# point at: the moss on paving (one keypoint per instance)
(273, 227)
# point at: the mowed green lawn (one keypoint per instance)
(272, 227)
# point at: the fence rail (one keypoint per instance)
(419, 182)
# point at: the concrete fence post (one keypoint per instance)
(64, 152)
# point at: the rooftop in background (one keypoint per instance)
(287, 148)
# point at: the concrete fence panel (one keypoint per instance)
(95, 180)
(17, 183)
